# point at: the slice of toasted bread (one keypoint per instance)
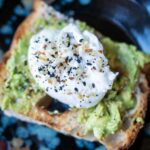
(66, 122)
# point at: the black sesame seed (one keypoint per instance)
(84, 83)
(37, 56)
(68, 44)
(93, 85)
(46, 39)
(53, 67)
(53, 56)
(56, 90)
(76, 89)
(68, 36)
(81, 40)
(61, 87)
(37, 41)
(69, 71)
(48, 73)
(76, 55)
(51, 74)
(79, 59)
(40, 69)
(89, 64)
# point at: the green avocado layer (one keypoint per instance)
(20, 92)
(107, 116)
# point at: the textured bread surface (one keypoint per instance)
(66, 122)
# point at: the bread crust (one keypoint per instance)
(67, 122)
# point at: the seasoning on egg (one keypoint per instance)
(70, 66)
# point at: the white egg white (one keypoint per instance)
(70, 66)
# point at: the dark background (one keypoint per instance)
(122, 20)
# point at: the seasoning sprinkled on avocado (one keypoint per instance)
(20, 92)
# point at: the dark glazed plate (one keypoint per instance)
(122, 20)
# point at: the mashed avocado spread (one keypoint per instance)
(20, 92)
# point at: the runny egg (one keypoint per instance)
(70, 66)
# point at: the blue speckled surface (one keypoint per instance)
(19, 135)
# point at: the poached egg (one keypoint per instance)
(70, 66)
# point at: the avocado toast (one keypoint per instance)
(24, 97)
